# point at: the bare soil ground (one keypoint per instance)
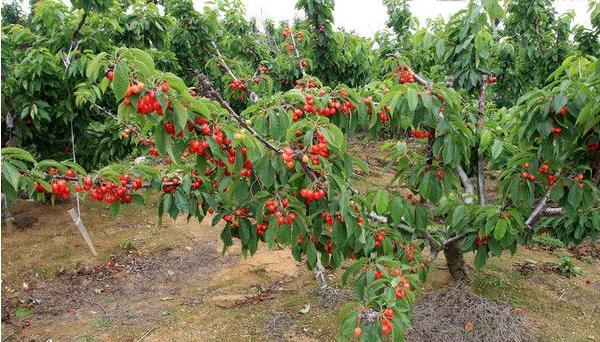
(173, 284)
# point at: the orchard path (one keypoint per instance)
(167, 284)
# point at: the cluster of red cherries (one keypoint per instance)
(287, 31)
(328, 217)
(287, 155)
(237, 85)
(170, 129)
(405, 75)
(311, 83)
(261, 228)
(110, 191)
(60, 189)
(102, 190)
(579, 178)
(148, 103)
(310, 195)
(319, 149)
(379, 237)
(419, 134)
(556, 130)
(330, 110)
(481, 241)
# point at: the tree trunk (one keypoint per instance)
(455, 261)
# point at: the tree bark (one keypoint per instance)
(455, 261)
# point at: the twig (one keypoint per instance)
(422, 81)
(9, 336)
(298, 55)
(74, 42)
(146, 334)
(98, 304)
(533, 219)
(480, 159)
(206, 86)
(252, 95)
(454, 239)
(256, 298)
(560, 297)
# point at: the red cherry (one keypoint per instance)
(386, 327)
(389, 313)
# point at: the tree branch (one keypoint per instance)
(74, 42)
(298, 55)
(535, 216)
(554, 211)
(434, 246)
(467, 184)
(455, 238)
(206, 87)
(251, 95)
(480, 124)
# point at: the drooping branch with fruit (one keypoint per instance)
(278, 170)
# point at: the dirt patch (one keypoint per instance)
(528, 266)
(334, 297)
(277, 324)
(130, 289)
(456, 313)
(587, 251)
(381, 170)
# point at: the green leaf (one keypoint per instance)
(311, 255)
(500, 229)
(76, 167)
(94, 65)
(181, 115)
(412, 98)
(114, 208)
(588, 116)
(271, 232)
(381, 201)
(17, 153)
(11, 174)
(458, 215)
(480, 257)
(143, 57)
(560, 101)
(397, 209)
(120, 81)
(484, 141)
(575, 195)
(497, 148)
(137, 199)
